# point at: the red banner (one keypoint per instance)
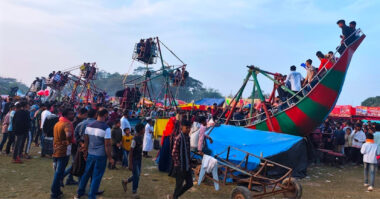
(359, 111)
(368, 111)
(342, 111)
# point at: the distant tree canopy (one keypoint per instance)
(372, 101)
(7, 83)
(192, 90)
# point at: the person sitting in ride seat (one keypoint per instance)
(92, 70)
(148, 49)
(294, 79)
(87, 70)
(57, 78)
(177, 77)
(347, 37)
(154, 49)
(51, 75)
(82, 68)
(140, 49)
(185, 76)
(311, 71)
(324, 62)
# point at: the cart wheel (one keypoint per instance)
(241, 192)
(294, 188)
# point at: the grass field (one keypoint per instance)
(33, 179)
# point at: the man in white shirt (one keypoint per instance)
(44, 114)
(357, 141)
(311, 71)
(294, 78)
(148, 138)
(370, 150)
(124, 123)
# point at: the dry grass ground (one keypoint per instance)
(33, 179)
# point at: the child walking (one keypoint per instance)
(135, 157)
(126, 146)
(369, 151)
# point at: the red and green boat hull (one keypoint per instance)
(307, 114)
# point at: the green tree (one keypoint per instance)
(7, 83)
(372, 101)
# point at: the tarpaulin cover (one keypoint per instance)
(159, 127)
(253, 141)
(210, 101)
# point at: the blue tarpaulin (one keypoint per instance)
(210, 101)
(253, 141)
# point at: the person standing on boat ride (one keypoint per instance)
(346, 33)
(311, 71)
(294, 79)
(324, 61)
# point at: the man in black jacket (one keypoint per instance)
(347, 36)
(21, 125)
(48, 129)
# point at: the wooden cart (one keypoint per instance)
(254, 183)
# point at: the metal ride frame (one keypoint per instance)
(256, 183)
(88, 86)
(168, 95)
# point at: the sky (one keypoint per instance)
(217, 39)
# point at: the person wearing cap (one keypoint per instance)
(294, 79)
(148, 138)
(346, 37)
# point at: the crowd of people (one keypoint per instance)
(92, 135)
(350, 138)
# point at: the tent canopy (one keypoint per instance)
(210, 101)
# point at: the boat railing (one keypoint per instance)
(293, 100)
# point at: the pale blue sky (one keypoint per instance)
(216, 38)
